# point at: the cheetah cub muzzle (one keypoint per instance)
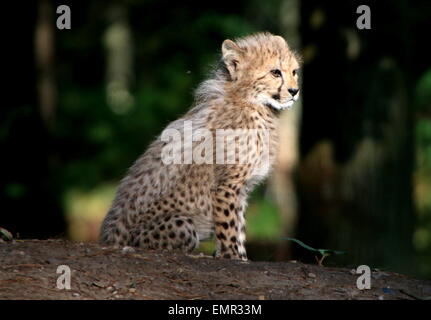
(193, 180)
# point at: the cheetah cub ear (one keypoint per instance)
(281, 42)
(232, 55)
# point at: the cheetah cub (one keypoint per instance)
(193, 181)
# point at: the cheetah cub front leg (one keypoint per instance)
(229, 224)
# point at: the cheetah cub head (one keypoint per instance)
(262, 69)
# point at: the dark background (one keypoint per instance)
(81, 105)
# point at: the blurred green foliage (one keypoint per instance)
(422, 236)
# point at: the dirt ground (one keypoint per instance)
(28, 270)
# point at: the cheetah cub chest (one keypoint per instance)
(193, 180)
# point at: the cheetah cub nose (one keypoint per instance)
(293, 91)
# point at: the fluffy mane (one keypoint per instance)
(214, 87)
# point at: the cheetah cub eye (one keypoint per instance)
(276, 73)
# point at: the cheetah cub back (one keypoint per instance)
(194, 179)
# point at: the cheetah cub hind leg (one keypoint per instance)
(168, 232)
